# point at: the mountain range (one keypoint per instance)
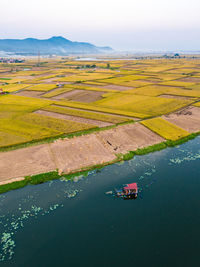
(56, 45)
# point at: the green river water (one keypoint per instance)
(75, 223)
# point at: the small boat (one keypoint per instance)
(130, 191)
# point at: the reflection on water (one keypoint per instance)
(153, 173)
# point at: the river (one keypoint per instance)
(75, 223)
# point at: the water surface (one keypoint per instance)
(74, 223)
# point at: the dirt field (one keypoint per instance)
(73, 154)
(190, 80)
(85, 96)
(80, 152)
(29, 93)
(188, 119)
(67, 94)
(26, 161)
(128, 138)
(117, 87)
(53, 81)
(73, 118)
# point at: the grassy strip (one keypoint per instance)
(157, 147)
(49, 176)
(6, 79)
(12, 186)
(45, 177)
(182, 140)
(142, 151)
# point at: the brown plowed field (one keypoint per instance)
(190, 79)
(74, 154)
(29, 93)
(80, 152)
(117, 87)
(73, 118)
(188, 119)
(128, 138)
(85, 96)
(26, 161)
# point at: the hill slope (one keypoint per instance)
(55, 45)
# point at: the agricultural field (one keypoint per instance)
(197, 104)
(62, 126)
(64, 96)
(165, 129)
(86, 114)
(42, 87)
(14, 87)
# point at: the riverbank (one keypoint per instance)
(79, 155)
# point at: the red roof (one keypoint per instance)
(131, 186)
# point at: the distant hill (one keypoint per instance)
(54, 46)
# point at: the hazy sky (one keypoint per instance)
(125, 24)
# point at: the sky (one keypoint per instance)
(127, 25)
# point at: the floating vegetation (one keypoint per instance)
(7, 246)
(109, 193)
(189, 157)
(78, 178)
(72, 193)
(17, 208)
(16, 222)
(29, 206)
(186, 153)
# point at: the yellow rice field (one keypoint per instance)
(42, 87)
(165, 129)
(60, 125)
(24, 101)
(178, 83)
(197, 104)
(9, 139)
(56, 92)
(157, 90)
(14, 87)
(148, 105)
(144, 89)
(84, 77)
(109, 110)
(86, 114)
(27, 130)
